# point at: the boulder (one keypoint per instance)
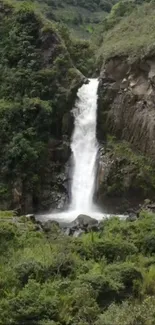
(132, 217)
(50, 225)
(31, 217)
(78, 233)
(84, 221)
(82, 224)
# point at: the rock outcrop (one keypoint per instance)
(127, 100)
(126, 111)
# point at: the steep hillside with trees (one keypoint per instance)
(81, 16)
(38, 84)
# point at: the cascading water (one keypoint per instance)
(84, 148)
(84, 154)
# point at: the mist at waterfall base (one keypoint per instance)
(84, 148)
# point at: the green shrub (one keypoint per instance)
(113, 249)
(107, 289)
(129, 314)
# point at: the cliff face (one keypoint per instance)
(126, 102)
(126, 111)
(126, 115)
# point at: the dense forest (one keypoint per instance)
(38, 83)
(48, 49)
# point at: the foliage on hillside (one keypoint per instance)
(38, 83)
(82, 52)
(140, 168)
(128, 30)
(47, 278)
(80, 16)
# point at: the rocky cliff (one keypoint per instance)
(126, 101)
(126, 115)
(126, 111)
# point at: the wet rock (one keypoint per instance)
(84, 221)
(82, 224)
(60, 152)
(148, 206)
(38, 227)
(31, 217)
(50, 225)
(68, 232)
(132, 217)
(78, 233)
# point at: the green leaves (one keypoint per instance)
(53, 279)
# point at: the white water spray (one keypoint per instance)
(84, 154)
(84, 148)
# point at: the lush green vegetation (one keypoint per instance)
(47, 278)
(141, 170)
(81, 16)
(106, 277)
(38, 83)
(128, 30)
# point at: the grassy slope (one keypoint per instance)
(133, 35)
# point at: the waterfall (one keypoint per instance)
(84, 148)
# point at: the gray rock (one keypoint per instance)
(68, 232)
(132, 217)
(31, 217)
(78, 233)
(49, 225)
(82, 224)
(84, 221)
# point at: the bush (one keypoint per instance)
(113, 249)
(106, 288)
(31, 305)
(130, 277)
(129, 314)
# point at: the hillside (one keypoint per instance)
(81, 17)
(131, 34)
(38, 84)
